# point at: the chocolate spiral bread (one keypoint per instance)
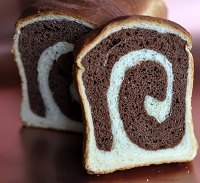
(43, 44)
(135, 79)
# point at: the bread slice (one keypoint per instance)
(45, 37)
(135, 78)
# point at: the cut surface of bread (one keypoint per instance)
(135, 79)
(43, 49)
(45, 37)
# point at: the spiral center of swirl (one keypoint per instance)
(154, 107)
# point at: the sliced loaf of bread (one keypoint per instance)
(135, 78)
(45, 37)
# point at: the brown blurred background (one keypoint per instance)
(10, 11)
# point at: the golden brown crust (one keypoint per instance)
(158, 9)
(95, 12)
(101, 31)
(190, 81)
(85, 126)
(49, 14)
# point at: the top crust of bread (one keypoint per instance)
(102, 32)
(101, 10)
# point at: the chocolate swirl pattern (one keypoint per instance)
(134, 81)
(45, 60)
(158, 109)
(45, 63)
(152, 105)
(46, 23)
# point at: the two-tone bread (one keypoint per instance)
(45, 37)
(135, 78)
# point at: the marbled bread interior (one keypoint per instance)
(45, 37)
(135, 79)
